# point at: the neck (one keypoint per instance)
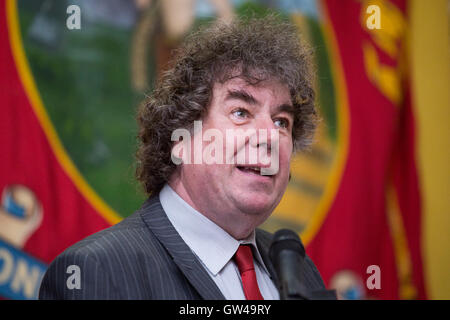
(239, 229)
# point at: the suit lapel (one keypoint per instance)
(263, 244)
(156, 219)
(263, 241)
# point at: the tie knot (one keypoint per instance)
(244, 261)
(244, 258)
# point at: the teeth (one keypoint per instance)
(251, 168)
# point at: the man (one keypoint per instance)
(196, 237)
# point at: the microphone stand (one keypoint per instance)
(291, 287)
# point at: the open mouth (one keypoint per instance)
(253, 170)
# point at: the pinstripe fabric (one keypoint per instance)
(143, 257)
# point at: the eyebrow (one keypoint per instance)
(248, 98)
(288, 108)
(241, 95)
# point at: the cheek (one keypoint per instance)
(285, 162)
(285, 150)
(199, 179)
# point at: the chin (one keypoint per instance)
(257, 204)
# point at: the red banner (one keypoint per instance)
(369, 243)
(42, 211)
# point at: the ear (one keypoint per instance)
(181, 147)
(176, 154)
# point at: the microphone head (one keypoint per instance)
(286, 239)
(287, 255)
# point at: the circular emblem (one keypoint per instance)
(348, 285)
(20, 214)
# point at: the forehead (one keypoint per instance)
(267, 91)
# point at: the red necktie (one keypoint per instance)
(244, 261)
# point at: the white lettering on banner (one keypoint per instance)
(7, 262)
(26, 279)
(20, 276)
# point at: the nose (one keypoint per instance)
(264, 134)
(266, 144)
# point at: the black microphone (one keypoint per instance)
(287, 254)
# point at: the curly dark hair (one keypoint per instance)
(258, 49)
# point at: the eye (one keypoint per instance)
(240, 113)
(281, 122)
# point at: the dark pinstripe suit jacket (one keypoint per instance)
(143, 257)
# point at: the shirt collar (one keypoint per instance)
(209, 242)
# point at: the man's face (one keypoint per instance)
(236, 196)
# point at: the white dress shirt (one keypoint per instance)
(215, 248)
